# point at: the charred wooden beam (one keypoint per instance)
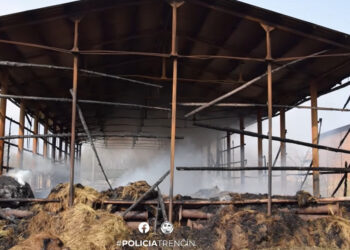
(83, 122)
(232, 202)
(34, 200)
(161, 203)
(195, 214)
(139, 200)
(135, 215)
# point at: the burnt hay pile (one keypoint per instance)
(132, 191)
(250, 229)
(79, 227)
(88, 225)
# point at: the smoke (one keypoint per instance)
(22, 176)
(40, 173)
(198, 148)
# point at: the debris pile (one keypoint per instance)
(91, 225)
(10, 188)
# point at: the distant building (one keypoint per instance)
(331, 159)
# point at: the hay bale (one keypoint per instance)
(81, 227)
(45, 221)
(41, 241)
(7, 235)
(84, 195)
(250, 229)
(86, 228)
(305, 199)
(10, 188)
(133, 191)
(331, 232)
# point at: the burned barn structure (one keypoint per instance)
(140, 69)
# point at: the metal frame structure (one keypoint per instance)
(272, 67)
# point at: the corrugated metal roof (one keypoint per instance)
(214, 27)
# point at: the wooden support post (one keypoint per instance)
(314, 131)
(174, 6)
(74, 113)
(242, 150)
(21, 133)
(46, 130)
(268, 30)
(2, 121)
(260, 143)
(36, 130)
(283, 147)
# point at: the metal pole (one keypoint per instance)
(53, 147)
(84, 71)
(245, 85)
(258, 105)
(268, 29)
(2, 122)
(324, 170)
(82, 119)
(60, 149)
(142, 197)
(314, 131)
(283, 147)
(74, 114)
(241, 126)
(46, 130)
(174, 6)
(228, 148)
(35, 140)
(275, 138)
(260, 143)
(66, 150)
(8, 149)
(21, 133)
